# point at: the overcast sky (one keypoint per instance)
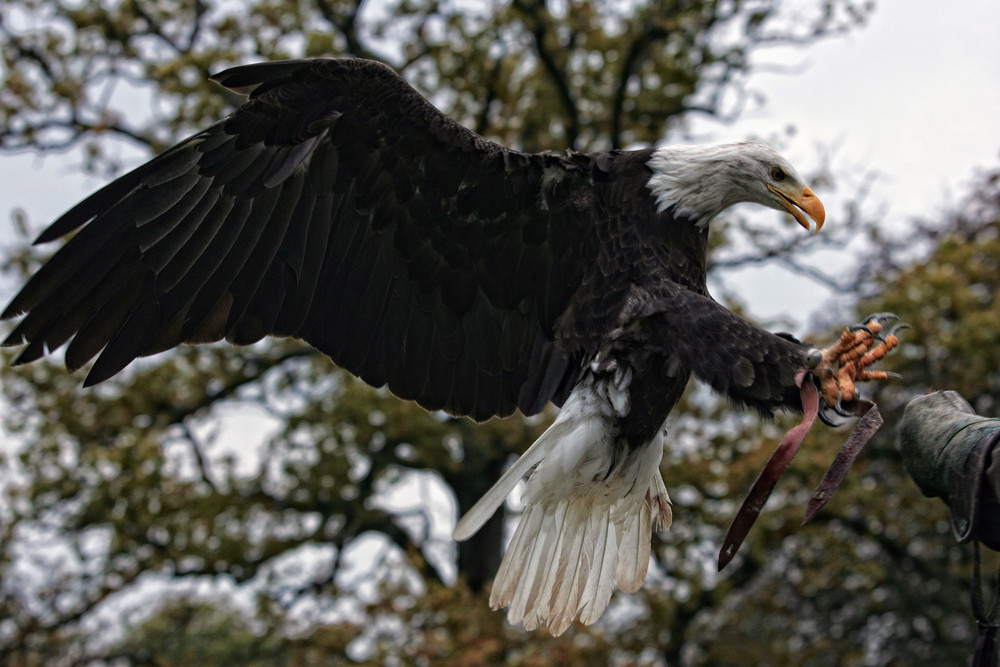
(914, 97)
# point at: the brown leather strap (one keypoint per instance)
(769, 476)
(870, 422)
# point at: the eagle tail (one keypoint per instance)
(484, 508)
(591, 503)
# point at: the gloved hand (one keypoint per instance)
(947, 448)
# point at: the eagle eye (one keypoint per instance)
(777, 173)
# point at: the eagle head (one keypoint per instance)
(700, 182)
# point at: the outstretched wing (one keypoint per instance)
(337, 206)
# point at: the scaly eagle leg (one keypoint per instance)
(838, 368)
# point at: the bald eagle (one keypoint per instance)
(338, 206)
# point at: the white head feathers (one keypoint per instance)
(702, 181)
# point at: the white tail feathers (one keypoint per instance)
(484, 508)
(591, 504)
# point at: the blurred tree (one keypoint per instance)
(535, 75)
(321, 506)
(951, 297)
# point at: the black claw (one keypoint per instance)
(894, 331)
(825, 417)
(881, 318)
(838, 408)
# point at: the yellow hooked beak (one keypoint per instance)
(806, 202)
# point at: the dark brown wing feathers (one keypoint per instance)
(339, 207)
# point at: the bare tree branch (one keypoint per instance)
(539, 27)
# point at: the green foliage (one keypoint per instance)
(188, 632)
(575, 74)
(951, 297)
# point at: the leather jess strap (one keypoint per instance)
(869, 422)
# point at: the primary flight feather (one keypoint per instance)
(338, 206)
